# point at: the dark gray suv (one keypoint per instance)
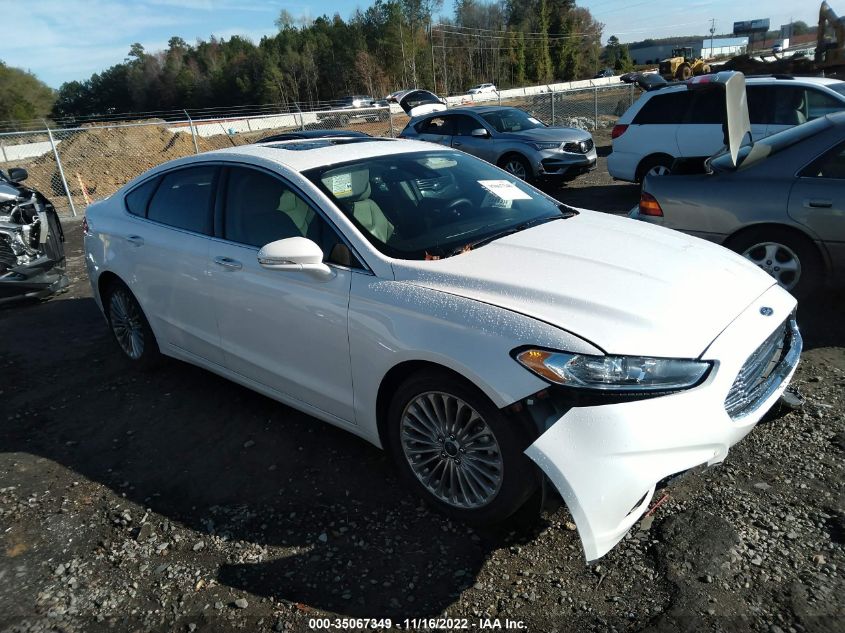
(510, 138)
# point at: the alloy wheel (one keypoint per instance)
(517, 168)
(778, 260)
(659, 170)
(127, 323)
(451, 450)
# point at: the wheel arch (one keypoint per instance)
(639, 171)
(512, 152)
(105, 280)
(799, 232)
(396, 375)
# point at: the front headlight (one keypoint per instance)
(613, 373)
(542, 146)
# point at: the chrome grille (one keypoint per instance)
(578, 147)
(764, 370)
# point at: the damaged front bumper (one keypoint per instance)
(607, 459)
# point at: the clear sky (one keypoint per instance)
(63, 40)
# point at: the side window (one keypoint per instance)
(790, 106)
(708, 106)
(464, 125)
(758, 104)
(435, 125)
(261, 209)
(668, 108)
(820, 104)
(831, 166)
(138, 199)
(184, 199)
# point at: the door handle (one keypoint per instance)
(135, 240)
(228, 263)
(455, 144)
(818, 204)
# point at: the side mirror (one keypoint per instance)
(18, 174)
(480, 133)
(295, 254)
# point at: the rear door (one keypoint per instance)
(817, 199)
(170, 251)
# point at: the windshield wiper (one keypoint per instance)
(509, 231)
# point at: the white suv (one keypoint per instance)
(481, 89)
(674, 122)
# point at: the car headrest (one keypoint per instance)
(349, 186)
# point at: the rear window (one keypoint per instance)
(183, 199)
(664, 109)
(764, 148)
(138, 199)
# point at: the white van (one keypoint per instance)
(673, 122)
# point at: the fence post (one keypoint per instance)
(61, 171)
(301, 118)
(390, 116)
(193, 133)
(596, 107)
(632, 93)
(552, 94)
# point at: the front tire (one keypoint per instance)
(517, 166)
(457, 450)
(789, 257)
(130, 327)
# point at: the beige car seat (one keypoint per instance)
(352, 190)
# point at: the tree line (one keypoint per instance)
(392, 44)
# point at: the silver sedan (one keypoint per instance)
(782, 207)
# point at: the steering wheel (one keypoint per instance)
(457, 205)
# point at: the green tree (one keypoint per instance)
(23, 96)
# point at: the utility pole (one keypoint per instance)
(712, 32)
(431, 42)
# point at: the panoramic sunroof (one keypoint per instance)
(301, 145)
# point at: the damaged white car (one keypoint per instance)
(32, 254)
(481, 332)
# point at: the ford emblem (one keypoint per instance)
(766, 311)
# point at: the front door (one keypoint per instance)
(482, 146)
(286, 330)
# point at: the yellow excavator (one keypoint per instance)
(830, 53)
(682, 65)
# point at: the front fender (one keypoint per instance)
(391, 322)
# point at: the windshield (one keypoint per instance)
(434, 204)
(768, 146)
(511, 120)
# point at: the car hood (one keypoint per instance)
(625, 286)
(419, 102)
(547, 134)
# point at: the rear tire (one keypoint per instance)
(129, 327)
(684, 72)
(456, 450)
(789, 257)
(659, 165)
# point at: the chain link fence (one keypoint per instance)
(75, 166)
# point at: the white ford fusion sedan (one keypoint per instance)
(484, 334)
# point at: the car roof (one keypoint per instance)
(754, 80)
(304, 154)
(471, 110)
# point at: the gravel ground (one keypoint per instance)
(177, 501)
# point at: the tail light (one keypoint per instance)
(650, 206)
(617, 131)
